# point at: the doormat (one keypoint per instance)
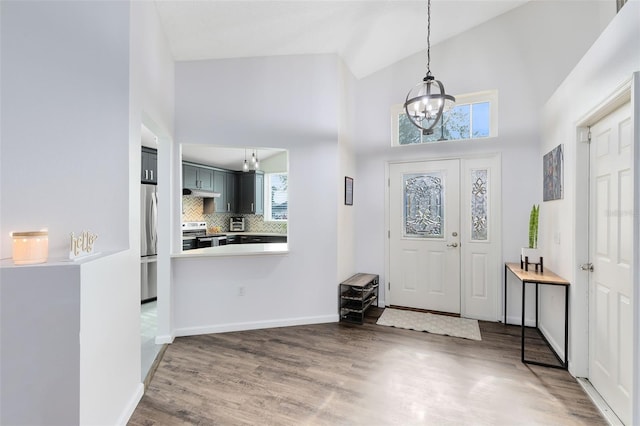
(431, 323)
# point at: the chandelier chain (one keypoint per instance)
(429, 37)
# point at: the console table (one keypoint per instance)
(539, 278)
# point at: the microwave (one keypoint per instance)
(236, 224)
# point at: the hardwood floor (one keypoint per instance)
(337, 374)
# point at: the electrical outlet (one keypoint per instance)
(241, 291)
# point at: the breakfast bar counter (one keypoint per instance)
(236, 250)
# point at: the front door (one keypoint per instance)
(424, 217)
(611, 252)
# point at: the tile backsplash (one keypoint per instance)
(192, 211)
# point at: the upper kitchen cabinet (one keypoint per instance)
(149, 165)
(196, 177)
(224, 182)
(251, 192)
(230, 189)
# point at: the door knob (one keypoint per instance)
(452, 245)
(587, 267)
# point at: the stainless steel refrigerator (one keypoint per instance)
(148, 242)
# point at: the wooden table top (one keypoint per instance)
(546, 277)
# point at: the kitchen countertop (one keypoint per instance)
(237, 250)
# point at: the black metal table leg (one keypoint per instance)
(536, 305)
(505, 294)
(566, 327)
(524, 288)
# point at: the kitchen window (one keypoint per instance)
(276, 206)
(474, 116)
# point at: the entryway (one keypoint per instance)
(444, 236)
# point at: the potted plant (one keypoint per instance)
(531, 254)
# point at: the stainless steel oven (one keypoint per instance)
(190, 233)
(194, 235)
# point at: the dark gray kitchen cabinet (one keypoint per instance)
(196, 177)
(206, 179)
(218, 186)
(149, 165)
(276, 239)
(251, 192)
(225, 183)
(230, 189)
(261, 239)
(189, 176)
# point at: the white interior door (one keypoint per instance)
(424, 240)
(611, 242)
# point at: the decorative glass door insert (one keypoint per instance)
(479, 202)
(423, 205)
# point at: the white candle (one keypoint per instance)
(30, 247)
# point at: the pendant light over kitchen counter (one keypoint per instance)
(245, 166)
(255, 162)
(426, 102)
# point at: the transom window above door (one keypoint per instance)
(474, 116)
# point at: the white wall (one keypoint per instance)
(277, 163)
(345, 232)
(64, 136)
(608, 64)
(152, 104)
(71, 114)
(39, 347)
(282, 102)
(70, 349)
(110, 359)
(510, 53)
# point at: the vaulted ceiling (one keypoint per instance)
(368, 35)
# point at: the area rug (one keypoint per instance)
(431, 323)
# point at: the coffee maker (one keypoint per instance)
(236, 224)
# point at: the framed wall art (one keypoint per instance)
(552, 164)
(348, 191)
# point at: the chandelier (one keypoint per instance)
(426, 102)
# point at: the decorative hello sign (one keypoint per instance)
(82, 245)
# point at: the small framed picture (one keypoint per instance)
(348, 191)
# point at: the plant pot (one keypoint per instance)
(532, 253)
(531, 256)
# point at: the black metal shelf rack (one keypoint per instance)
(357, 294)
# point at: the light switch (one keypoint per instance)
(556, 237)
